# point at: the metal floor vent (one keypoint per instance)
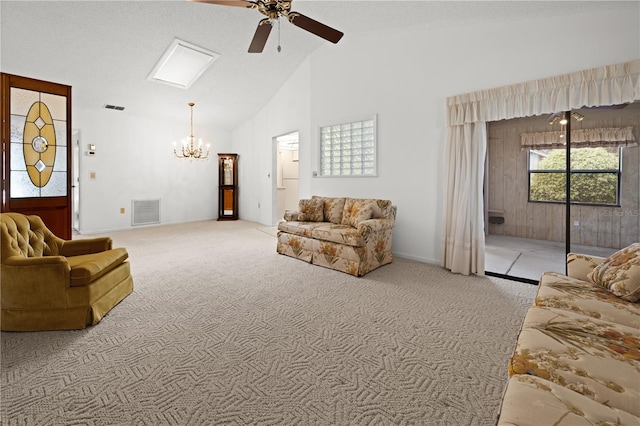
(145, 212)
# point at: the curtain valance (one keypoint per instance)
(580, 138)
(608, 85)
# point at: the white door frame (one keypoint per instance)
(75, 180)
(274, 173)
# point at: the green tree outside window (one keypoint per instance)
(594, 177)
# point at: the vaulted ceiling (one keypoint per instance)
(106, 49)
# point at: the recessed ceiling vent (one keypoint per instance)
(116, 107)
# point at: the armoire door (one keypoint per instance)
(36, 143)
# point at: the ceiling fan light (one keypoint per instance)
(577, 116)
(554, 118)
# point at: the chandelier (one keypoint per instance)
(189, 149)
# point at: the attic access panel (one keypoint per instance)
(182, 64)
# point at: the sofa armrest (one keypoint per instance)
(35, 282)
(86, 246)
(39, 261)
(290, 215)
(579, 265)
(374, 225)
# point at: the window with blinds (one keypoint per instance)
(348, 149)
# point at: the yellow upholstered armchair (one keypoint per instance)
(48, 283)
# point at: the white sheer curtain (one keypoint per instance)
(463, 221)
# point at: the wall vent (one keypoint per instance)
(145, 212)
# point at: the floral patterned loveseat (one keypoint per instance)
(577, 358)
(351, 235)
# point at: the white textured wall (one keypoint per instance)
(288, 111)
(134, 160)
(404, 77)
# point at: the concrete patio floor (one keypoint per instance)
(529, 259)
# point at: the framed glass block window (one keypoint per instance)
(349, 149)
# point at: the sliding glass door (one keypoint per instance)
(531, 162)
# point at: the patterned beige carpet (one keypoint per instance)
(221, 330)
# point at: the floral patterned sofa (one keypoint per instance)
(351, 235)
(577, 358)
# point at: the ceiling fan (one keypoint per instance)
(274, 9)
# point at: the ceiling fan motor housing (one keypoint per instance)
(274, 8)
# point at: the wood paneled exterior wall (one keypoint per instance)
(507, 186)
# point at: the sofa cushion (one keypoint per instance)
(87, 268)
(586, 298)
(598, 359)
(620, 273)
(332, 208)
(83, 294)
(356, 211)
(310, 210)
(531, 401)
(342, 234)
(299, 228)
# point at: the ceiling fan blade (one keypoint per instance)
(315, 27)
(237, 3)
(261, 36)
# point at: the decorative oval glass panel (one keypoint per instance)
(39, 144)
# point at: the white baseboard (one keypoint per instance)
(128, 228)
(416, 258)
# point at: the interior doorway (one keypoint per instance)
(286, 187)
(529, 229)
